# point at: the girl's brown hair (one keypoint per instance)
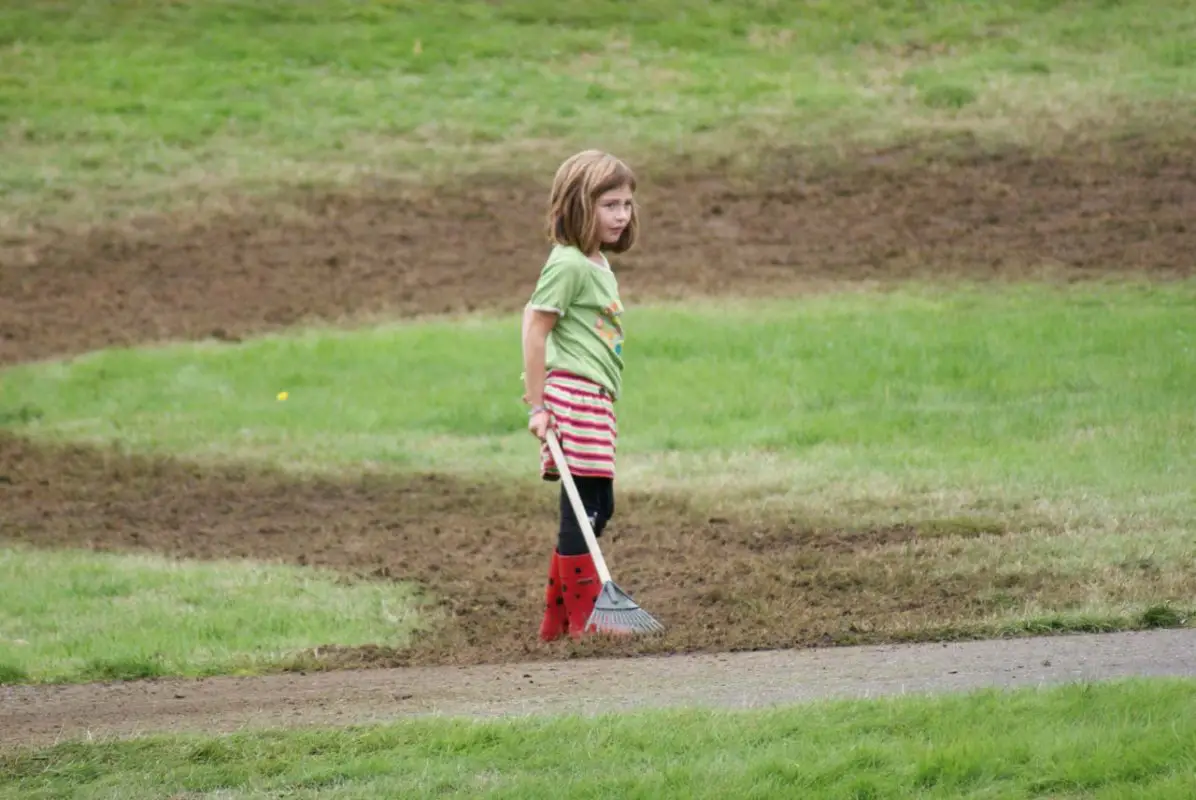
(579, 181)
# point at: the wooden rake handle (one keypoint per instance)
(578, 509)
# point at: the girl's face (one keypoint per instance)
(613, 211)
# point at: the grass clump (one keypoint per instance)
(82, 616)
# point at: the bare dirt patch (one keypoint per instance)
(1093, 212)
(483, 550)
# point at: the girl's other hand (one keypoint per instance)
(538, 424)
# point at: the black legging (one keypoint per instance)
(598, 499)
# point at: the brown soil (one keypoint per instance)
(484, 550)
(717, 584)
(1092, 212)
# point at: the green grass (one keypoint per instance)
(118, 105)
(83, 616)
(1052, 405)
(1120, 740)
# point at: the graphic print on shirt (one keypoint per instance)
(610, 326)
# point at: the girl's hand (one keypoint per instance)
(538, 423)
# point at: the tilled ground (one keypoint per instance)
(718, 584)
(1094, 212)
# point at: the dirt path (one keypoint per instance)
(41, 715)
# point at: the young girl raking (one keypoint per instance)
(573, 365)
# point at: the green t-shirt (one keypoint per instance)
(588, 337)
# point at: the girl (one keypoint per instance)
(573, 365)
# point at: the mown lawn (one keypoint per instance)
(1130, 739)
(121, 105)
(1044, 405)
(70, 615)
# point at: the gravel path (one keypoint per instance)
(42, 715)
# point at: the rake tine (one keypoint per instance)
(616, 612)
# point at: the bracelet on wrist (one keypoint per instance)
(536, 410)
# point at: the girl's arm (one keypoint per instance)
(536, 327)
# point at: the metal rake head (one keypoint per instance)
(615, 612)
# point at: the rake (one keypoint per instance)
(614, 610)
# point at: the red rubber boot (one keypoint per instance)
(555, 623)
(580, 587)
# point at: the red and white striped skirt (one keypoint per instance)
(583, 415)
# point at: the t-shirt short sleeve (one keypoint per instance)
(559, 285)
